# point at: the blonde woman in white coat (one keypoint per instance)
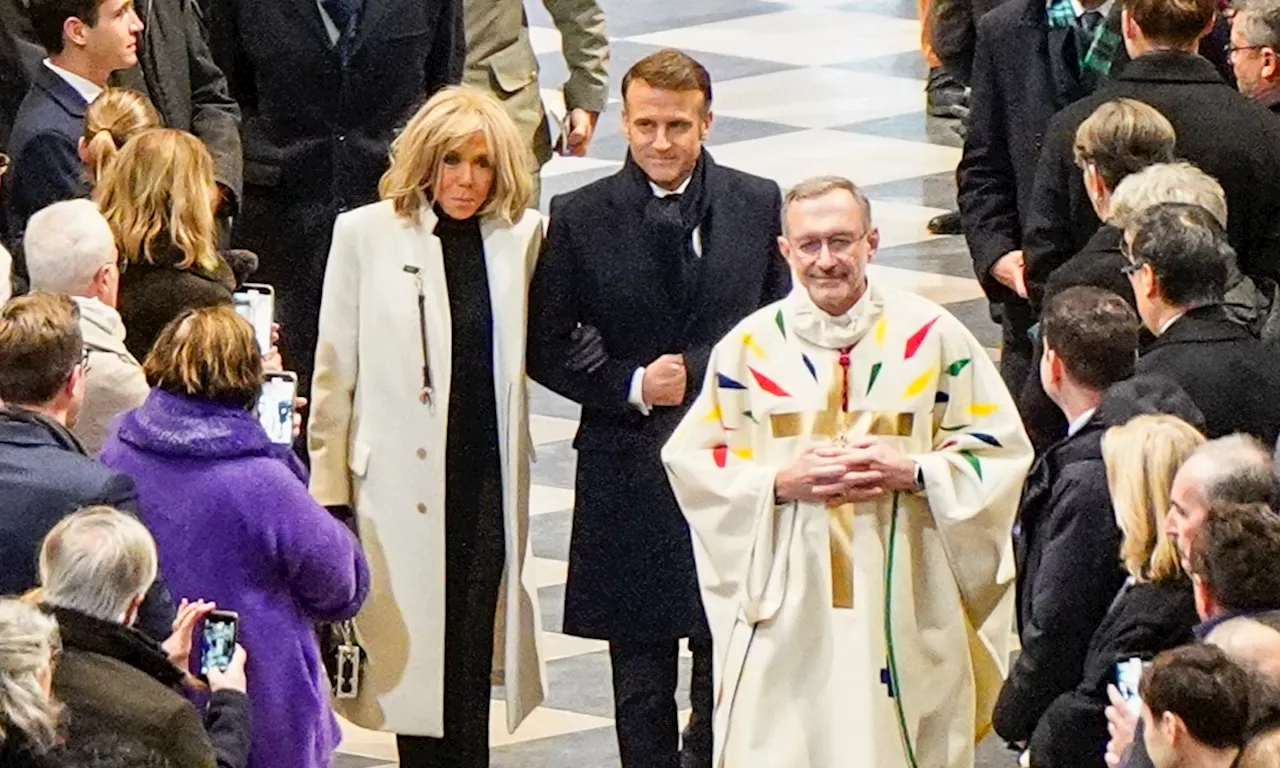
(419, 426)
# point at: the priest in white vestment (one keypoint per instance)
(850, 473)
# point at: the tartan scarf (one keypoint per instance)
(1101, 51)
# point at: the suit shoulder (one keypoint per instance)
(754, 187)
(585, 200)
(1001, 19)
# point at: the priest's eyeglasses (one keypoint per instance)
(839, 244)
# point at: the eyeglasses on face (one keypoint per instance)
(839, 244)
(1232, 50)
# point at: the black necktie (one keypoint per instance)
(1089, 22)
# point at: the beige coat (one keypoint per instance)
(114, 381)
(377, 447)
(500, 60)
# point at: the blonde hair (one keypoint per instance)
(158, 192)
(28, 641)
(1124, 136)
(1141, 458)
(443, 124)
(117, 115)
(208, 353)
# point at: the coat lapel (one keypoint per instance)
(309, 10)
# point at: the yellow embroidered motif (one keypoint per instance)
(881, 328)
(983, 409)
(917, 386)
(749, 342)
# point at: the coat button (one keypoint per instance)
(422, 453)
(422, 508)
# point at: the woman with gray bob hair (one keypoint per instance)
(29, 643)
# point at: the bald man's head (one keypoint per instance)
(1236, 469)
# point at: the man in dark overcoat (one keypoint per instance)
(657, 262)
(1223, 133)
(324, 87)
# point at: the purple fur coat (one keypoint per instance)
(234, 524)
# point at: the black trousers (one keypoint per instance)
(473, 574)
(644, 688)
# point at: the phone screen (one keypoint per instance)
(275, 406)
(256, 303)
(1128, 677)
(218, 641)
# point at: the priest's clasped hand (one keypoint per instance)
(846, 474)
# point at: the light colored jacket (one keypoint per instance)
(500, 59)
(114, 381)
(377, 447)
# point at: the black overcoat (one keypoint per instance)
(631, 570)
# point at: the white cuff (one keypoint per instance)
(636, 395)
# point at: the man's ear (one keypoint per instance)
(74, 30)
(1270, 63)
(707, 119)
(1172, 727)
(873, 242)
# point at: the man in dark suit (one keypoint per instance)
(87, 40)
(175, 70)
(323, 87)
(659, 262)
(1221, 132)
(1029, 62)
(1179, 266)
(45, 474)
(1066, 550)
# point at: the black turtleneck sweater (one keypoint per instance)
(472, 465)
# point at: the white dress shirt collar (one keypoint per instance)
(1104, 9)
(1079, 422)
(660, 192)
(87, 89)
(1169, 323)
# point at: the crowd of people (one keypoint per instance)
(822, 482)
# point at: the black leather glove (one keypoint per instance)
(345, 515)
(588, 352)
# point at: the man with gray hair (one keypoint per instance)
(95, 567)
(1255, 51)
(70, 249)
(850, 472)
(1179, 262)
(1235, 469)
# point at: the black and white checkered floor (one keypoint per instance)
(802, 87)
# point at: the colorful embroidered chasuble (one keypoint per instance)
(796, 593)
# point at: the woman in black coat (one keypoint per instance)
(159, 195)
(1155, 609)
(28, 714)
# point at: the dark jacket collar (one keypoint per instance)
(60, 91)
(1123, 401)
(82, 632)
(1170, 67)
(21, 426)
(1202, 324)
